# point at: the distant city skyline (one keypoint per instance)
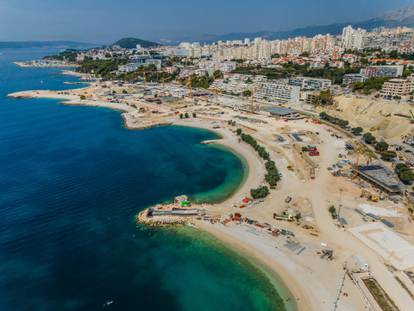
(104, 21)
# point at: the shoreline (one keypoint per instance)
(286, 286)
(254, 178)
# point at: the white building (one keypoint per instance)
(279, 92)
(398, 87)
(309, 83)
(353, 39)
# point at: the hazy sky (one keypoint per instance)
(102, 21)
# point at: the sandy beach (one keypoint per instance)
(253, 179)
(314, 282)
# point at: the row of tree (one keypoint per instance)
(272, 176)
(334, 120)
(404, 173)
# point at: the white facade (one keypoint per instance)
(279, 92)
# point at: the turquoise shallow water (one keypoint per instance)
(71, 181)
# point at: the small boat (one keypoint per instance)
(108, 303)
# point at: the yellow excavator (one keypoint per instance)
(370, 196)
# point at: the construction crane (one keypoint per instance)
(189, 85)
(359, 150)
(252, 91)
(145, 78)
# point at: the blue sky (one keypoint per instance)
(102, 21)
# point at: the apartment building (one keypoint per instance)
(279, 92)
(398, 88)
(350, 78)
(392, 71)
(308, 83)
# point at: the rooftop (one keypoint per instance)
(382, 176)
(280, 111)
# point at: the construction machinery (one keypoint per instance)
(372, 197)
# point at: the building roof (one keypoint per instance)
(381, 176)
(280, 111)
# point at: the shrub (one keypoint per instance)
(381, 146)
(259, 193)
(369, 138)
(357, 130)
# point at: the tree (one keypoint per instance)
(82, 97)
(186, 115)
(259, 193)
(194, 115)
(357, 130)
(238, 131)
(369, 138)
(247, 93)
(181, 116)
(381, 146)
(405, 174)
(333, 212)
(388, 155)
(323, 115)
(324, 98)
(218, 75)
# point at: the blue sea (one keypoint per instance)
(72, 180)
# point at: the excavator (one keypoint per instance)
(370, 196)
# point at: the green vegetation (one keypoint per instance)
(272, 176)
(369, 138)
(291, 70)
(369, 86)
(388, 155)
(101, 68)
(357, 130)
(333, 212)
(381, 297)
(381, 146)
(68, 56)
(218, 75)
(404, 173)
(131, 43)
(324, 98)
(196, 81)
(247, 93)
(148, 73)
(252, 142)
(337, 121)
(259, 193)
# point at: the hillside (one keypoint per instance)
(403, 17)
(131, 43)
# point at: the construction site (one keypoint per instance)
(332, 189)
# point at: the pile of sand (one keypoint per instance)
(374, 115)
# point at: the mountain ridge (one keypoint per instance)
(401, 17)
